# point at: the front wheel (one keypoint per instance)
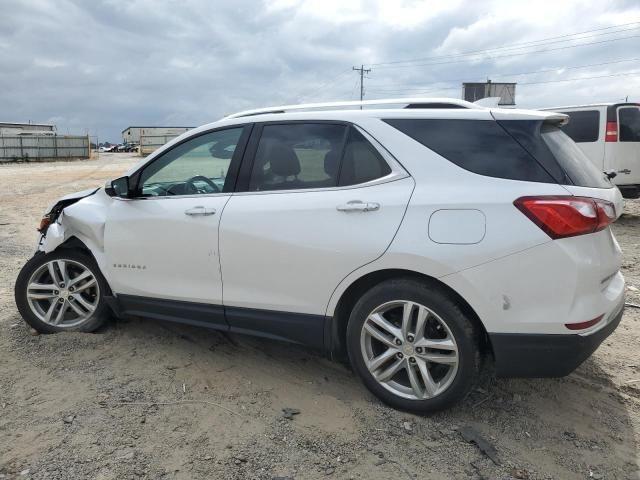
(413, 346)
(62, 291)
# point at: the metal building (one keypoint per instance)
(472, 92)
(151, 138)
(12, 128)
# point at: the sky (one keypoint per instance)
(98, 66)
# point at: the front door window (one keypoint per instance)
(197, 166)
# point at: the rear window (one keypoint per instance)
(629, 118)
(583, 126)
(480, 146)
(573, 160)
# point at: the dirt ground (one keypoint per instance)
(142, 399)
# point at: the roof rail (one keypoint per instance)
(407, 102)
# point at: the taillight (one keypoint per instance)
(567, 216)
(611, 132)
(606, 213)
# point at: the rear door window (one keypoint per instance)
(294, 156)
(583, 126)
(361, 162)
(314, 155)
(629, 122)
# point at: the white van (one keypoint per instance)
(609, 134)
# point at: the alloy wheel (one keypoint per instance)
(63, 293)
(409, 350)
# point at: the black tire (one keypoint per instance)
(440, 302)
(92, 323)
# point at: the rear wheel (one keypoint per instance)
(413, 346)
(61, 291)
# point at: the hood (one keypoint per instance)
(72, 198)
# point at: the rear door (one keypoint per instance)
(315, 202)
(624, 154)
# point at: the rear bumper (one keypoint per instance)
(543, 355)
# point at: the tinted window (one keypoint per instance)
(361, 161)
(629, 118)
(480, 146)
(527, 134)
(197, 166)
(583, 126)
(573, 160)
(291, 156)
(314, 155)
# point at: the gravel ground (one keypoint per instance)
(142, 399)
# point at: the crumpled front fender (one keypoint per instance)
(85, 219)
(53, 239)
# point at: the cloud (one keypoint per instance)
(107, 64)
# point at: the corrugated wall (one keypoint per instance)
(39, 148)
(150, 143)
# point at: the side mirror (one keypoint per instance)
(611, 174)
(118, 187)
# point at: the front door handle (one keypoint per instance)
(200, 211)
(358, 206)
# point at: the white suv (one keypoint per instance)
(417, 240)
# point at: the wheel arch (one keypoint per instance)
(75, 243)
(358, 287)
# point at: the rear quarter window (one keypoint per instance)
(583, 126)
(480, 146)
(527, 150)
(573, 161)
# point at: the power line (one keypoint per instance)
(500, 50)
(328, 84)
(622, 74)
(576, 67)
(577, 79)
(512, 46)
(555, 69)
(511, 54)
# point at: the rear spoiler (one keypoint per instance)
(553, 118)
(559, 119)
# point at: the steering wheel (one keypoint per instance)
(190, 186)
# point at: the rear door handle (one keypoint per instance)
(200, 211)
(358, 206)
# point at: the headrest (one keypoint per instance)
(284, 161)
(331, 163)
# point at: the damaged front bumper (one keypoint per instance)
(52, 230)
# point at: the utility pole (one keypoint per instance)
(362, 71)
